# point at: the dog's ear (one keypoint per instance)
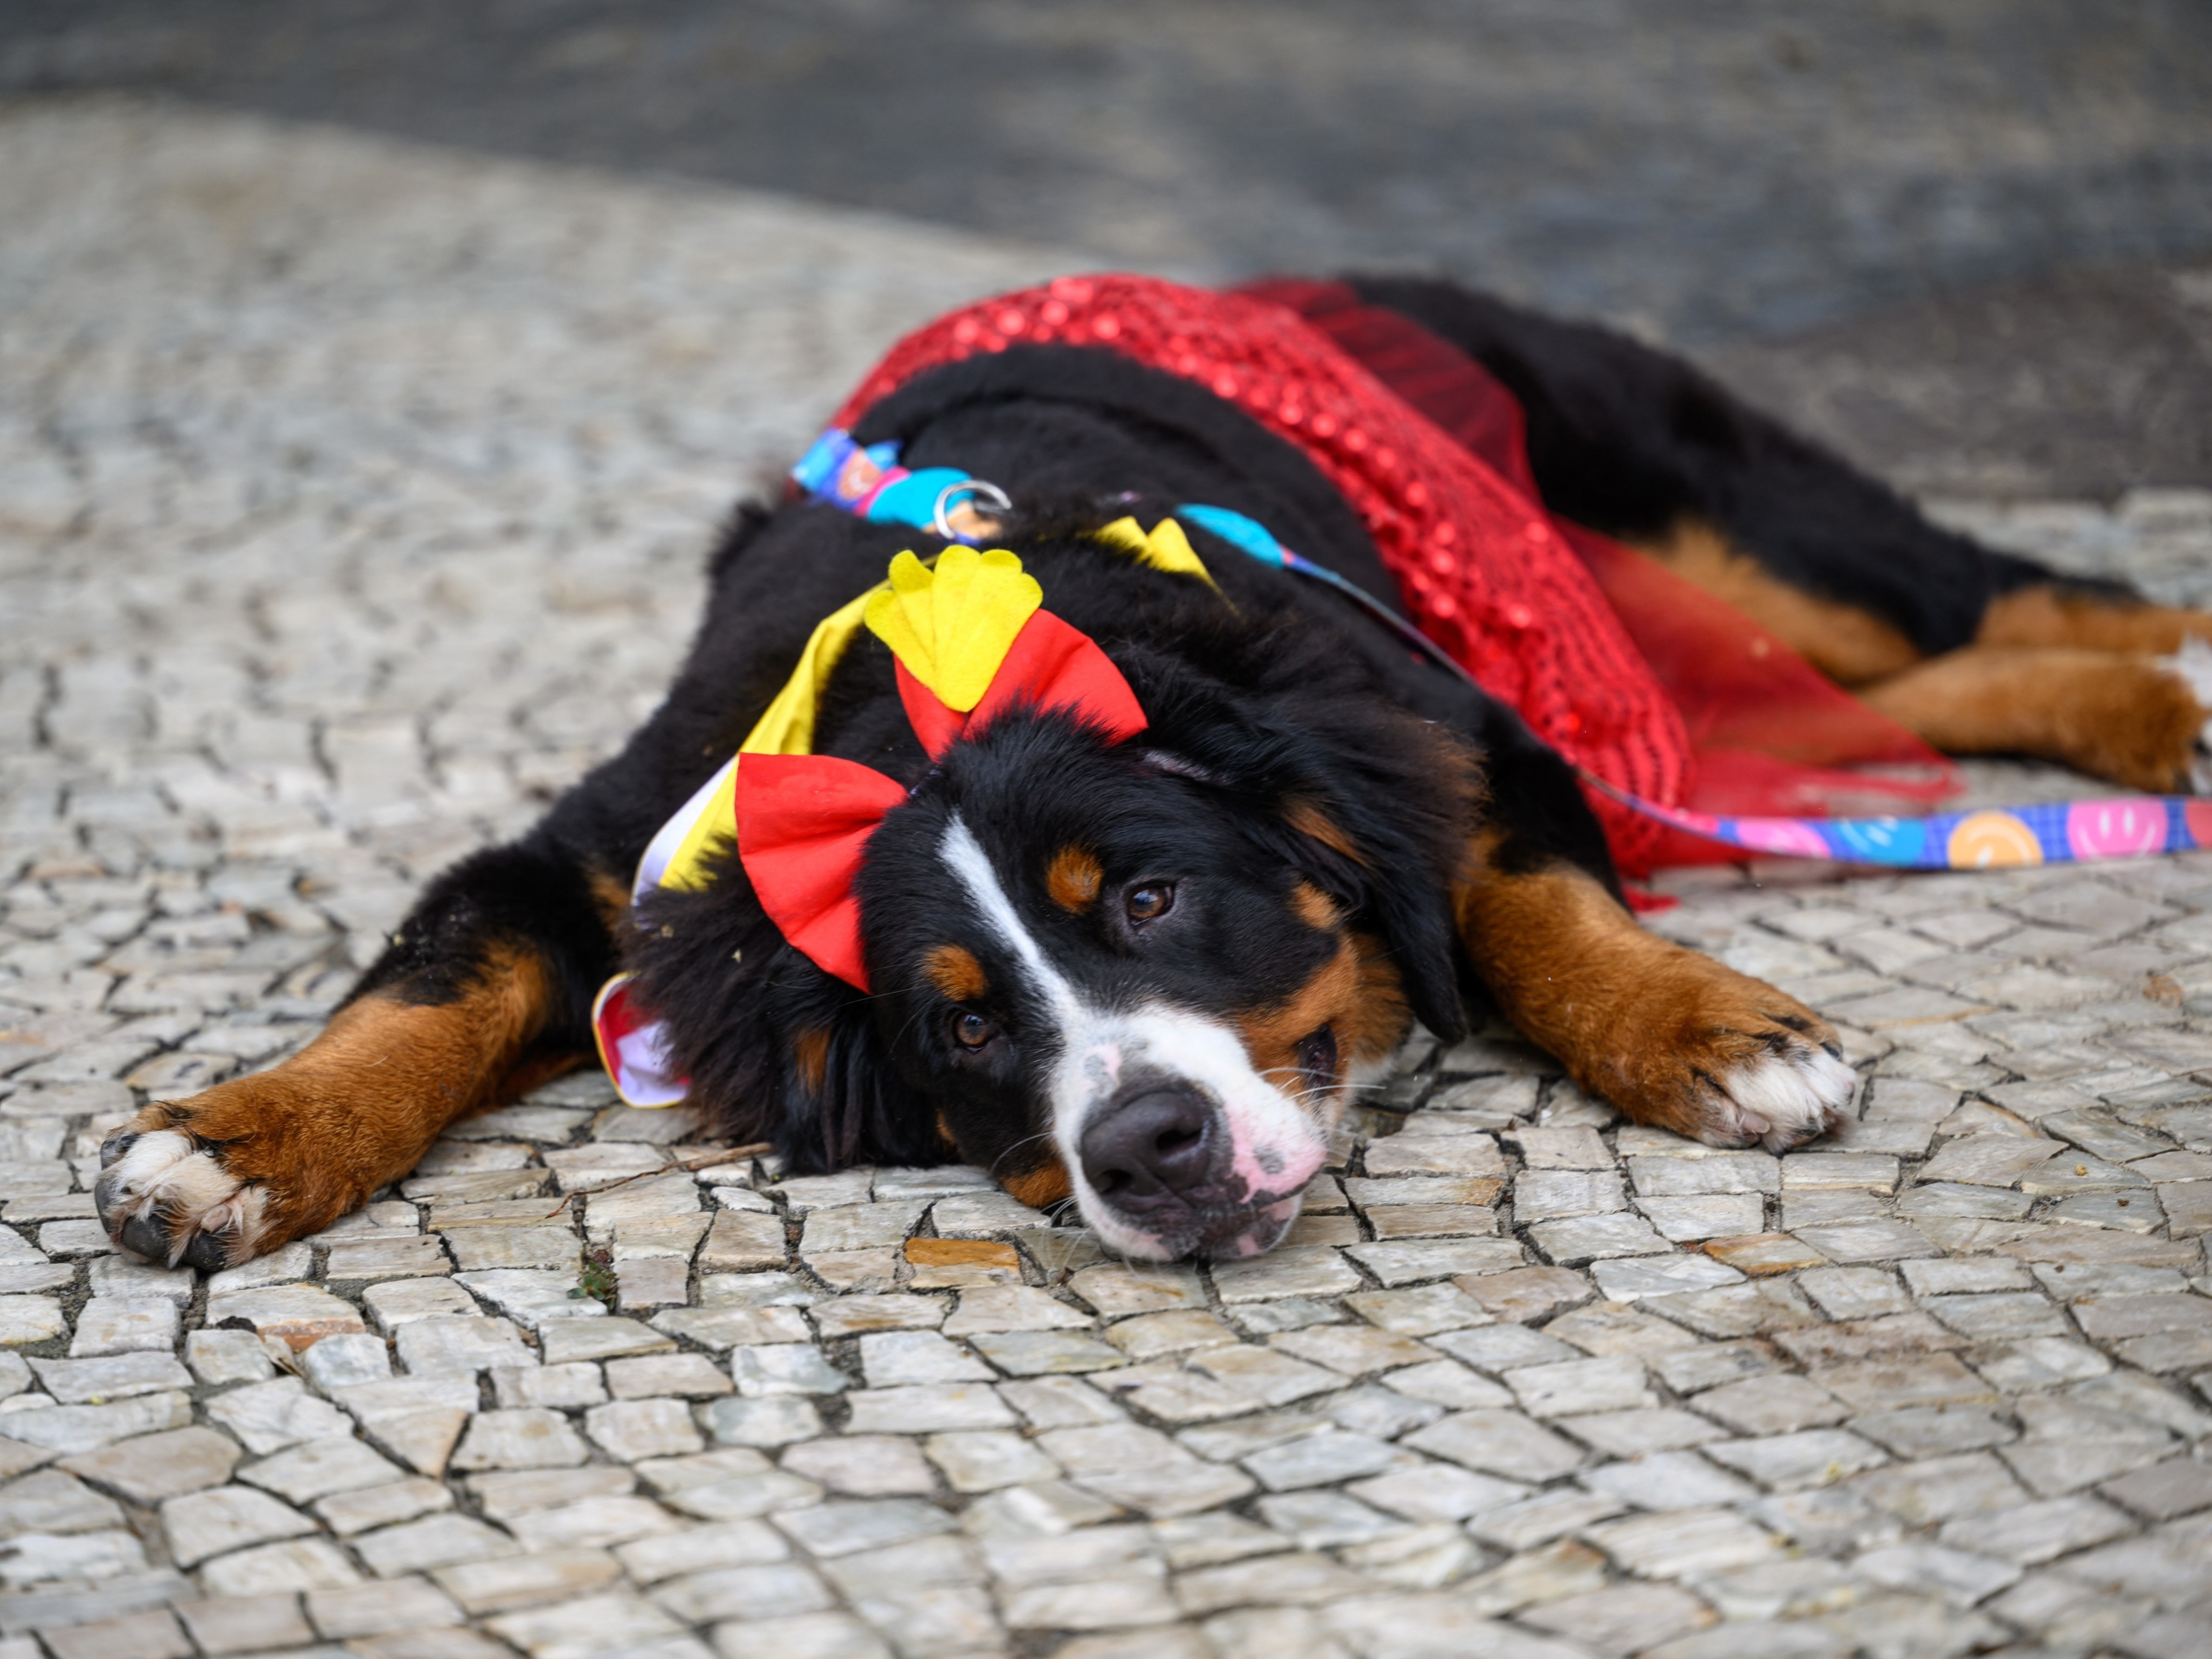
(777, 1049)
(1373, 806)
(1388, 878)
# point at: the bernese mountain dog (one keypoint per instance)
(1146, 974)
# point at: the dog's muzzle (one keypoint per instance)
(1160, 1154)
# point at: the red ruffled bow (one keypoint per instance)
(804, 821)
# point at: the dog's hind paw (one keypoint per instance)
(2192, 665)
(1786, 1098)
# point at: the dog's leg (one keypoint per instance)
(1668, 1035)
(482, 993)
(1849, 643)
(1646, 448)
(2061, 614)
(2046, 613)
(2132, 719)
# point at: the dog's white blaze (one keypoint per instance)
(1275, 1146)
(163, 1168)
(1786, 1100)
(965, 857)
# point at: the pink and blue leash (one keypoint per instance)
(868, 481)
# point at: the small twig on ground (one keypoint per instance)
(697, 1161)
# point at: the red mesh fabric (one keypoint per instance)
(1767, 730)
(1480, 566)
(1741, 688)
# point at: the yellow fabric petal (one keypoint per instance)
(787, 726)
(1167, 548)
(1124, 534)
(952, 626)
(686, 871)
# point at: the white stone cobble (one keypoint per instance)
(302, 606)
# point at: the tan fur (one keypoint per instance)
(2112, 716)
(2064, 675)
(1041, 1187)
(611, 896)
(1379, 1016)
(1636, 1020)
(956, 973)
(360, 1104)
(1309, 821)
(1073, 878)
(811, 1050)
(1851, 646)
(2046, 616)
(1272, 1035)
(1314, 908)
(1356, 994)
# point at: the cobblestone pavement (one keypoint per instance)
(1711, 171)
(352, 498)
(1993, 216)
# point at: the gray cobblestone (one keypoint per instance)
(293, 625)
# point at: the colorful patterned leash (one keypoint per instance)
(869, 481)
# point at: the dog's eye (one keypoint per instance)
(1150, 903)
(972, 1031)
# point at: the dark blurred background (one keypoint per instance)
(1968, 240)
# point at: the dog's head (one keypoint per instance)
(1144, 975)
(1124, 974)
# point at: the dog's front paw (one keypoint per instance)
(222, 1177)
(1725, 1059)
(163, 1194)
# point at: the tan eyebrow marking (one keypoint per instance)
(1314, 908)
(1073, 878)
(953, 969)
(1309, 821)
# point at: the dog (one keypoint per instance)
(1143, 967)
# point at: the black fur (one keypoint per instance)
(1278, 713)
(533, 893)
(1284, 694)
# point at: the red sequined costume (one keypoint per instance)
(1426, 448)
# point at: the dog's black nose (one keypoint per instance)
(1149, 1143)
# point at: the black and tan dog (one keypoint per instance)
(1146, 974)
